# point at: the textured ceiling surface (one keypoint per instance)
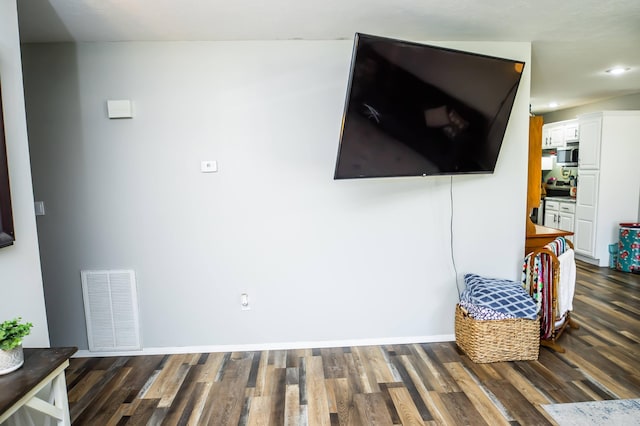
(573, 41)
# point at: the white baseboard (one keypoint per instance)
(590, 260)
(270, 346)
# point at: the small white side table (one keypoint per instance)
(42, 367)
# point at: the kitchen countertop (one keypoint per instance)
(566, 198)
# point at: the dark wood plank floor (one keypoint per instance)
(413, 384)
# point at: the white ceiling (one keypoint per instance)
(574, 41)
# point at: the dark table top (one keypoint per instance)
(38, 364)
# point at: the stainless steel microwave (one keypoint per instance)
(567, 157)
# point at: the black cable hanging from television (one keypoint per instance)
(453, 259)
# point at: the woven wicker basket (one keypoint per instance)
(497, 340)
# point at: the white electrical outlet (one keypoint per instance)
(244, 302)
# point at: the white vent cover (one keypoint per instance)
(111, 310)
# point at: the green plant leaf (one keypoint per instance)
(12, 332)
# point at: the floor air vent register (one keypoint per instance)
(111, 310)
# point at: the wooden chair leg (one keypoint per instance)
(573, 324)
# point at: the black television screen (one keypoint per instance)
(416, 110)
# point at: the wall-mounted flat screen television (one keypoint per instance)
(416, 110)
(7, 236)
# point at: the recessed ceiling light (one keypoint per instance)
(553, 104)
(617, 70)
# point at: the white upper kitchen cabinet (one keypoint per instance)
(608, 181)
(553, 135)
(590, 142)
(571, 131)
(559, 133)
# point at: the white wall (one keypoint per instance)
(619, 103)
(21, 292)
(322, 260)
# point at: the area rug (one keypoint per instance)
(616, 412)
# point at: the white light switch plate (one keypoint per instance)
(119, 109)
(39, 207)
(209, 166)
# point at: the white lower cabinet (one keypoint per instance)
(586, 209)
(559, 215)
(565, 221)
(551, 210)
(550, 218)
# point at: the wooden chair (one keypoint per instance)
(552, 322)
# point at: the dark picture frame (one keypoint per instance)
(7, 236)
